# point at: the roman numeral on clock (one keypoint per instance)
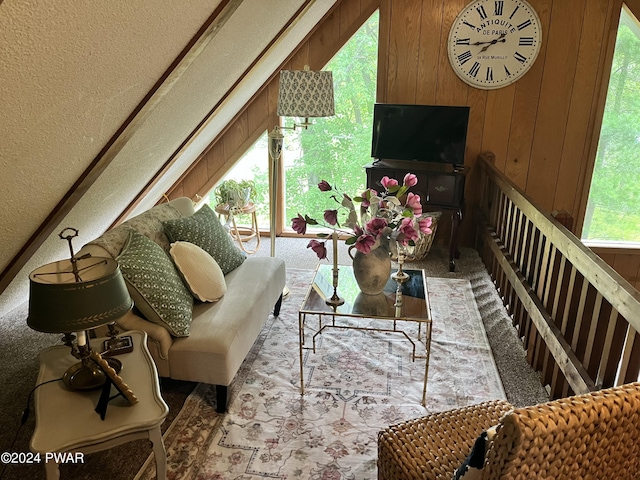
(474, 69)
(518, 56)
(489, 74)
(506, 70)
(526, 41)
(464, 57)
(524, 24)
(472, 27)
(463, 41)
(498, 7)
(481, 12)
(513, 13)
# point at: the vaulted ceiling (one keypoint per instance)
(98, 98)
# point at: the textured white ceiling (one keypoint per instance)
(71, 72)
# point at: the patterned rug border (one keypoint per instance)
(472, 301)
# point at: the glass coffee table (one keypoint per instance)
(413, 307)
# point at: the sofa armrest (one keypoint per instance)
(131, 321)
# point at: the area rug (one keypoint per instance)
(356, 383)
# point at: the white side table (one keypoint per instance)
(66, 420)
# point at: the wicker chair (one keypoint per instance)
(590, 436)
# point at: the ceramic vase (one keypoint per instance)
(374, 305)
(371, 270)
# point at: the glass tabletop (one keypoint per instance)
(415, 303)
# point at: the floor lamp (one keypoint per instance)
(305, 94)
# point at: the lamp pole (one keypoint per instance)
(275, 151)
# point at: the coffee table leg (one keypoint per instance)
(427, 353)
(300, 342)
(52, 470)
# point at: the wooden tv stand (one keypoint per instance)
(440, 186)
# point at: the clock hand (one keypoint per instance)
(492, 42)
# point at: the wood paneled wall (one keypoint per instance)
(543, 129)
(624, 261)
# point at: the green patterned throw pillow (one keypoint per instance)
(155, 284)
(205, 230)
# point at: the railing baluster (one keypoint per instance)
(611, 351)
(558, 295)
(591, 337)
(577, 326)
(625, 370)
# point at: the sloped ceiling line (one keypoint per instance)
(244, 91)
(204, 36)
(172, 159)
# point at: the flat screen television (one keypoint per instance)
(427, 133)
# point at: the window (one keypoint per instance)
(335, 148)
(613, 207)
(253, 165)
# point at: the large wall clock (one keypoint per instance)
(492, 43)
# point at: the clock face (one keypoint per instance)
(492, 43)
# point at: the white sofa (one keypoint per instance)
(221, 333)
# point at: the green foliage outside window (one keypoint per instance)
(613, 209)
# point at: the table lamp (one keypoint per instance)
(76, 295)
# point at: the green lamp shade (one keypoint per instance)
(64, 299)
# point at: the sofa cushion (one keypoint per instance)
(200, 272)
(222, 333)
(155, 285)
(205, 230)
(148, 223)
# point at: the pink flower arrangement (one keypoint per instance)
(394, 214)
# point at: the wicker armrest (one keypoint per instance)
(434, 446)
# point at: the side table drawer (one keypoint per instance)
(442, 190)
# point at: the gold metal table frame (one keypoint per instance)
(415, 308)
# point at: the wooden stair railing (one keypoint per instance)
(577, 317)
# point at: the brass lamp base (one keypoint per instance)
(87, 375)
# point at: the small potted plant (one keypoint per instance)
(235, 194)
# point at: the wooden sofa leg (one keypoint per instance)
(222, 392)
(276, 308)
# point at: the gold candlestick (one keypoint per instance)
(400, 276)
(335, 299)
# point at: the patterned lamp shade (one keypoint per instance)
(305, 93)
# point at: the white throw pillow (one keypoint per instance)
(201, 273)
